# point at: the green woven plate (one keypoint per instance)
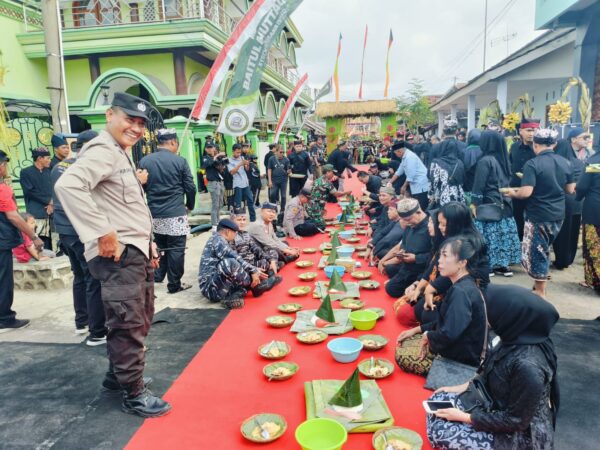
(289, 307)
(274, 350)
(270, 370)
(364, 367)
(251, 424)
(373, 341)
(369, 284)
(280, 321)
(352, 303)
(404, 435)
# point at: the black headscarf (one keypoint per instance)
(449, 159)
(492, 143)
(521, 317)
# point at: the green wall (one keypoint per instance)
(25, 79)
(155, 65)
(78, 78)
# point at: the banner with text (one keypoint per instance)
(239, 108)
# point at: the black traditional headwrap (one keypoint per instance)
(521, 317)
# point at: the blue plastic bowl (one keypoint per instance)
(345, 251)
(346, 234)
(341, 270)
(345, 350)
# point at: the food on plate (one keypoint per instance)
(378, 371)
(281, 372)
(270, 427)
(397, 444)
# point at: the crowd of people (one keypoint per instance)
(444, 218)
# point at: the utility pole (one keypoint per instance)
(56, 67)
(485, 33)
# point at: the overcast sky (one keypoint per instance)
(434, 40)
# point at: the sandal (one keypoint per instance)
(183, 287)
(583, 284)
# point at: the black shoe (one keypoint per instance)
(290, 258)
(235, 300)
(15, 324)
(280, 234)
(182, 287)
(265, 285)
(503, 271)
(112, 386)
(145, 404)
(280, 265)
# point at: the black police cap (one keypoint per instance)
(132, 106)
(229, 224)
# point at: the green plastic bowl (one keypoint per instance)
(321, 434)
(363, 319)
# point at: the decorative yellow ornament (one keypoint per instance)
(510, 121)
(560, 112)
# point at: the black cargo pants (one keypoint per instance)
(128, 298)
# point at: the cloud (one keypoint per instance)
(431, 41)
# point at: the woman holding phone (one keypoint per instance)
(519, 376)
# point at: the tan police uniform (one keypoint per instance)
(101, 193)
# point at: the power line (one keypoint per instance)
(473, 44)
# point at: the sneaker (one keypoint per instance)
(492, 274)
(82, 330)
(503, 271)
(15, 324)
(95, 341)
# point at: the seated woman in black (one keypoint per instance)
(519, 374)
(452, 219)
(459, 332)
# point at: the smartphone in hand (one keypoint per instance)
(432, 407)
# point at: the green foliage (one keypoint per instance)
(414, 108)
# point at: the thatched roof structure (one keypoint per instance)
(355, 109)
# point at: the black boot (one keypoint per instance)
(145, 404)
(290, 258)
(235, 300)
(265, 285)
(110, 385)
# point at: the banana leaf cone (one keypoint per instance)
(335, 240)
(333, 255)
(324, 315)
(344, 218)
(349, 394)
(336, 285)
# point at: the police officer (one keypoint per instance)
(11, 227)
(301, 166)
(224, 276)
(295, 222)
(105, 203)
(170, 182)
(213, 163)
(89, 310)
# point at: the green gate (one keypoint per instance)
(29, 127)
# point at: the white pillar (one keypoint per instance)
(454, 112)
(502, 95)
(470, 112)
(440, 122)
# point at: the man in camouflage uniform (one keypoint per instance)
(321, 189)
(224, 276)
(265, 259)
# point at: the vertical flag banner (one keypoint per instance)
(362, 64)
(387, 66)
(289, 105)
(245, 29)
(336, 78)
(239, 109)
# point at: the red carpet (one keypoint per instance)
(224, 383)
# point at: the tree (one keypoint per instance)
(414, 108)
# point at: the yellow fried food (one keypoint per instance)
(281, 372)
(378, 371)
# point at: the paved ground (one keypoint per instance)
(51, 312)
